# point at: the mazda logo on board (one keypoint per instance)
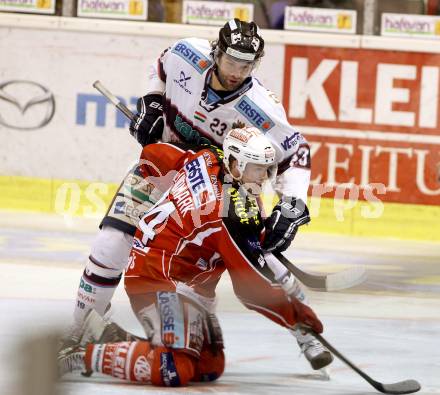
(25, 105)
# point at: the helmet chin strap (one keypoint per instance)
(238, 179)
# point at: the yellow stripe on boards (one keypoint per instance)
(90, 199)
(75, 198)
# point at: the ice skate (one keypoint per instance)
(69, 340)
(73, 335)
(99, 330)
(71, 360)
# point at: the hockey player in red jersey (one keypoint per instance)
(197, 91)
(206, 223)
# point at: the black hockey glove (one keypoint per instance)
(147, 127)
(281, 227)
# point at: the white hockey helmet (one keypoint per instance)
(249, 145)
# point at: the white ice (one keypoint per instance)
(389, 326)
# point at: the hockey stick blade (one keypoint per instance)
(346, 278)
(401, 387)
(328, 282)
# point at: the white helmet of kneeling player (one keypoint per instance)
(249, 156)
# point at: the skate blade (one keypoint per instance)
(324, 373)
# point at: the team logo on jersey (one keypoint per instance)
(183, 78)
(254, 114)
(192, 56)
(181, 82)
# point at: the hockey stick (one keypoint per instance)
(327, 282)
(401, 387)
(113, 99)
(330, 282)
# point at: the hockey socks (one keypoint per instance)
(140, 362)
(97, 286)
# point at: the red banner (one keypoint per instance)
(371, 117)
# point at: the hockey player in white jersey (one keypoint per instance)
(198, 90)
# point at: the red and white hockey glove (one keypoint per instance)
(305, 315)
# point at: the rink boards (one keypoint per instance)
(90, 199)
(368, 106)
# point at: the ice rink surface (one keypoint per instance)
(389, 326)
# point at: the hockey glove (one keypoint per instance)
(281, 227)
(306, 316)
(147, 127)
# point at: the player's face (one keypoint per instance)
(231, 72)
(256, 174)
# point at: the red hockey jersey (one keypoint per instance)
(203, 225)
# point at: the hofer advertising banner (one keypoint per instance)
(372, 118)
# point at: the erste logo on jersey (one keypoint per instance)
(192, 56)
(254, 114)
(199, 182)
(192, 187)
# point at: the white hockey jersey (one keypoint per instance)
(195, 113)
